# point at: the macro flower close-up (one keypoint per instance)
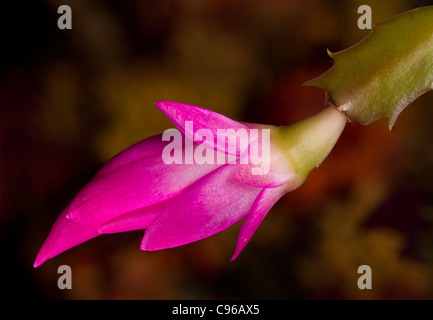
(185, 197)
(216, 150)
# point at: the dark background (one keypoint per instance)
(72, 99)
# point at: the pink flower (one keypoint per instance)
(185, 186)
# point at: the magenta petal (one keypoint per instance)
(133, 220)
(270, 172)
(133, 185)
(209, 206)
(180, 113)
(269, 180)
(64, 235)
(148, 147)
(264, 202)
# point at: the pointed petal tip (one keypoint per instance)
(64, 235)
(240, 245)
(160, 103)
(147, 245)
(40, 261)
(164, 105)
(151, 242)
(235, 255)
(260, 208)
(43, 254)
(143, 246)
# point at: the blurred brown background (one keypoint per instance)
(72, 99)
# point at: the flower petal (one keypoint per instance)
(181, 113)
(132, 220)
(148, 147)
(207, 207)
(64, 235)
(262, 171)
(131, 185)
(264, 202)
